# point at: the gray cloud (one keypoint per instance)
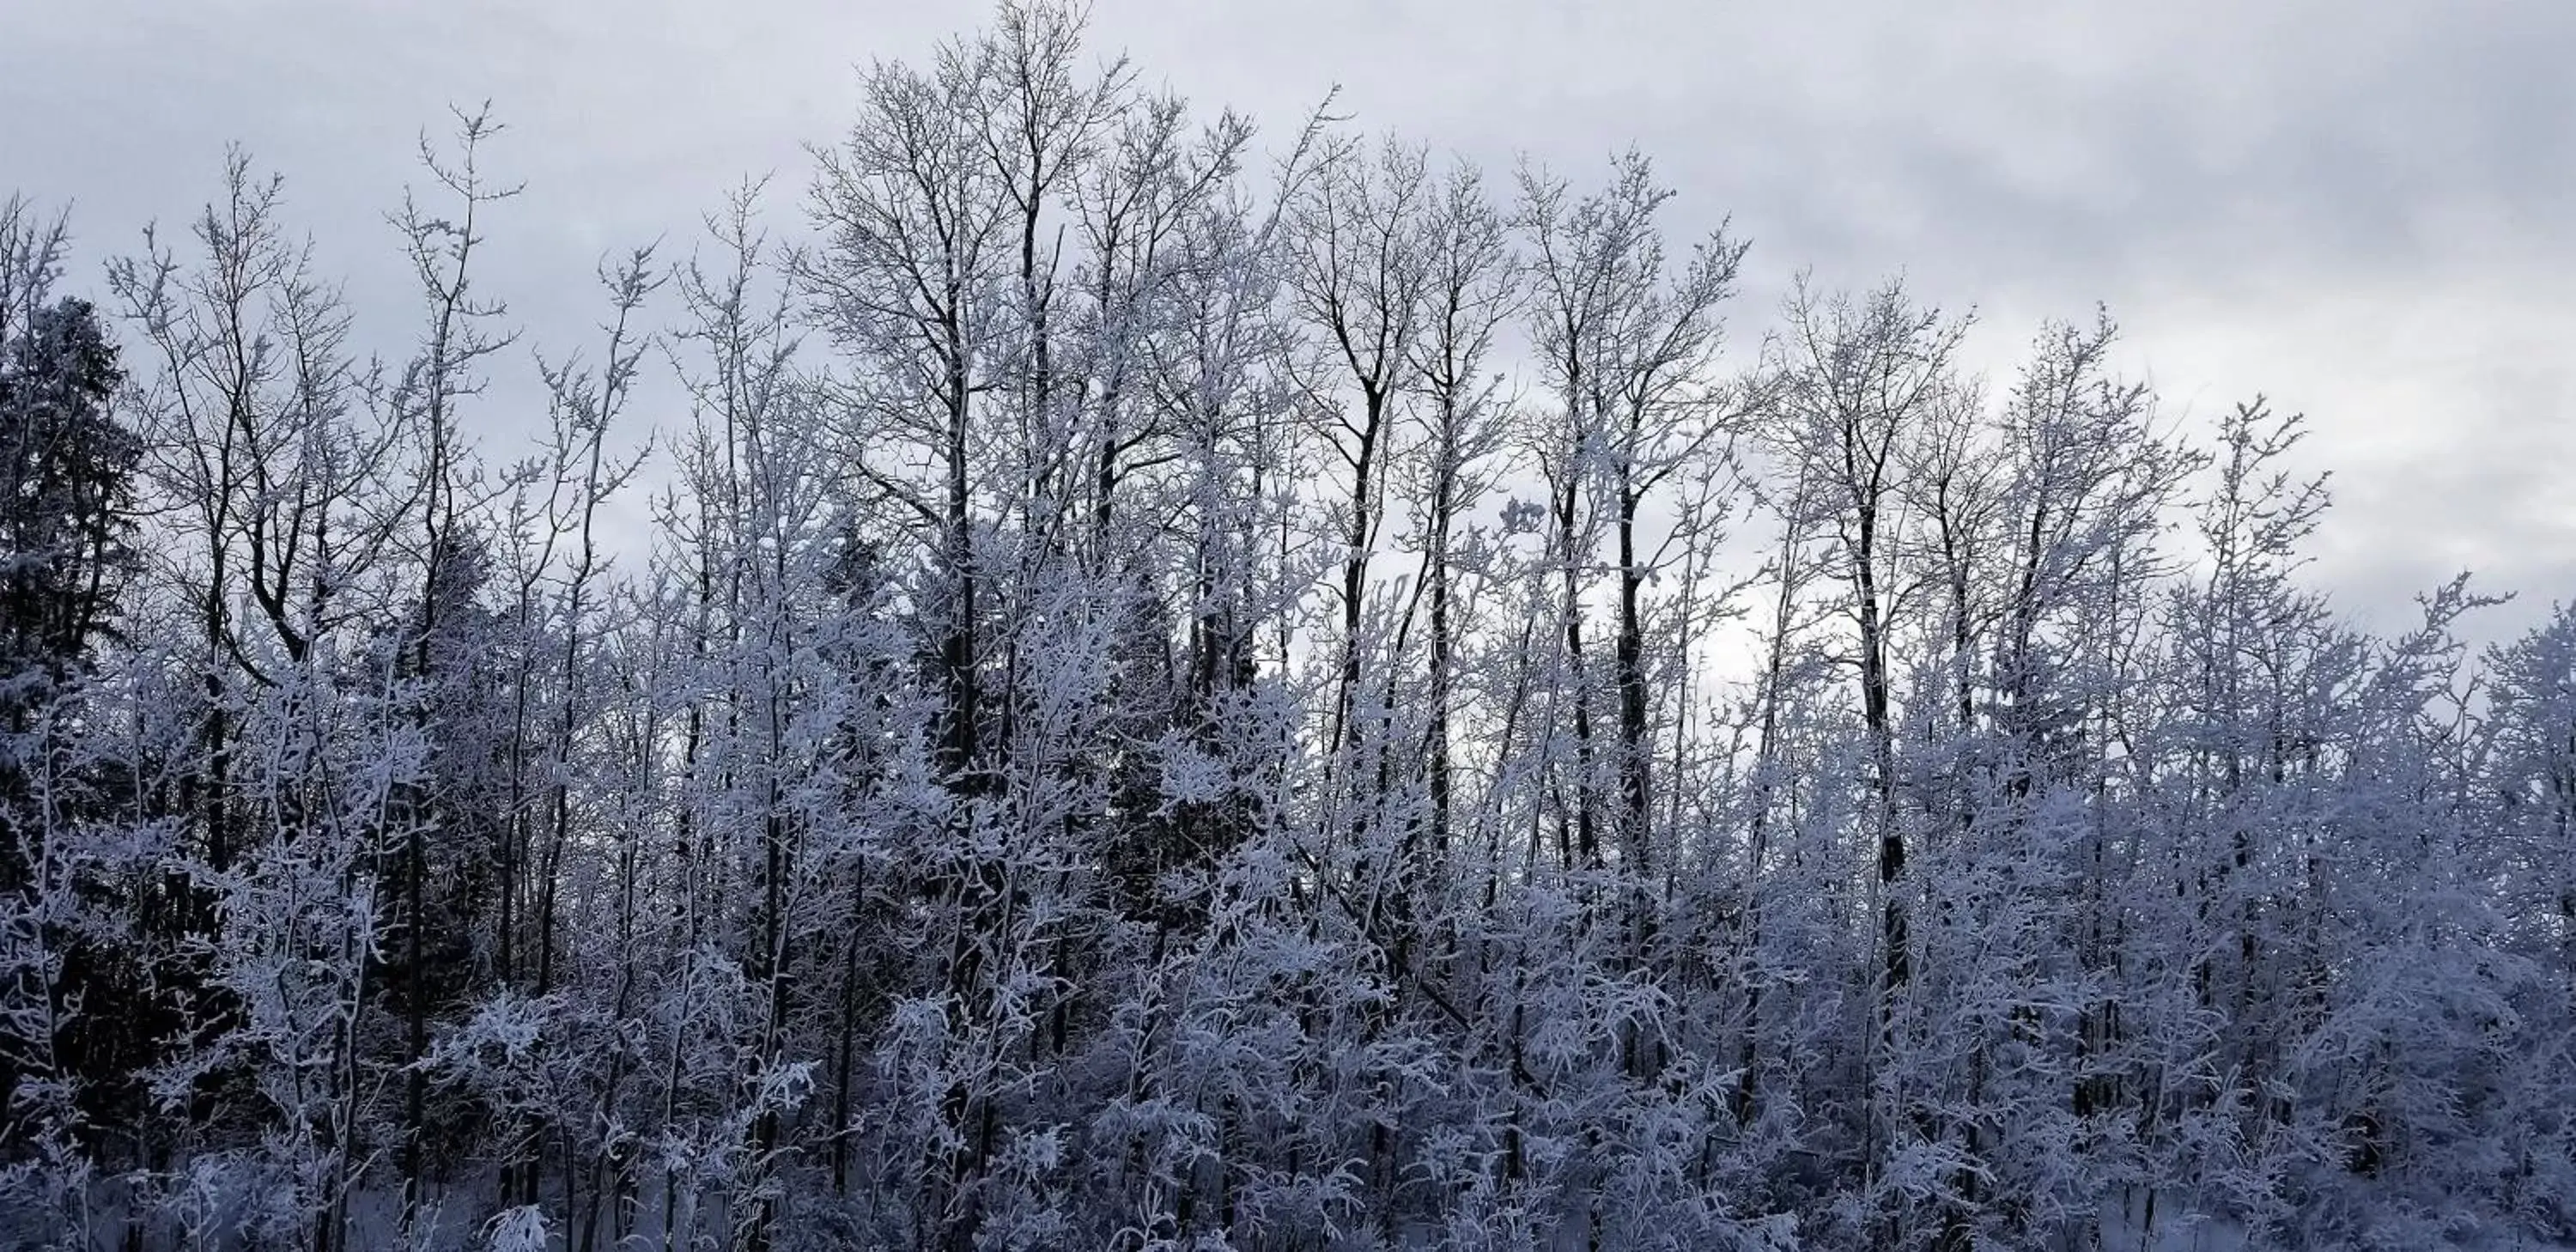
(2363, 210)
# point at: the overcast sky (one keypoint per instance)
(2365, 210)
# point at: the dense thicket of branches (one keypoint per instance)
(1186, 695)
